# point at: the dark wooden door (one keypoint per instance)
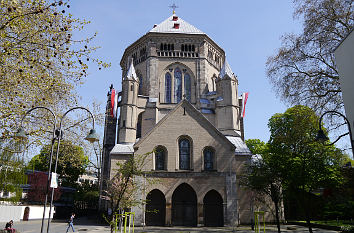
(155, 208)
(184, 206)
(213, 209)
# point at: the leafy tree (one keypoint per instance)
(123, 188)
(41, 58)
(303, 71)
(306, 165)
(12, 174)
(263, 176)
(71, 162)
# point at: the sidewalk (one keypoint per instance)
(87, 225)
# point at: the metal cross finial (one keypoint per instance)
(174, 8)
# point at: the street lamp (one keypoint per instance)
(322, 137)
(57, 135)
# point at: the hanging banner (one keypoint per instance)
(54, 180)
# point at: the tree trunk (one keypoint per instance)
(308, 219)
(277, 215)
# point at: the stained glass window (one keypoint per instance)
(187, 86)
(168, 88)
(178, 85)
(208, 159)
(159, 159)
(140, 91)
(184, 154)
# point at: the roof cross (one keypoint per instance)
(174, 8)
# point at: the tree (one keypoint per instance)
(12, 173)
(123, 188)
(306, 165)
(303, 71)
(41, 58)
(71, 162)
(263, 176)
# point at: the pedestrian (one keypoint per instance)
(9, 228)
(71, 223)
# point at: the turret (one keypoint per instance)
(227, 105)
(128, 106)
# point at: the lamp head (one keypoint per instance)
(321, 136)
(21, 134)
(92, 137)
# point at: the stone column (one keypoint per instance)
(168, 214)
(231, 214)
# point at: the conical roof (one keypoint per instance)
(131, 72)
(226, 70)
(168, 26)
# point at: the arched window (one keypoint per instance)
(184, 154)
(167, 88)
(140, 91)
(138, 125)
(208, 159)
(178, 85)
(159, 158)
(187, 86)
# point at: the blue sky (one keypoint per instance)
(248, 31)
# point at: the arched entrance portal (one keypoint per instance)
(213, 209)
(155, 208)
(184, 206)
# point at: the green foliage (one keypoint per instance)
(71, 162)
(303, 70)
(12, 174)
(40, 60)
(256, 146)
(129, 180)
(306, 164)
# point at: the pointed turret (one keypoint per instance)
(227, 106)
(128, 119)
(131, 75)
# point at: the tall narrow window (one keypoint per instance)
(178, 85)
(159, 159)
(208, 159)
(184, 154)
(138, 125)
(140, 91)
(168, 88)
(187, 86)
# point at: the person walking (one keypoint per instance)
(71, 223)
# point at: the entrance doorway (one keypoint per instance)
(213, 209)
(155, 208)
(184, 206)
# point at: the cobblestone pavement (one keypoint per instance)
(84, 225)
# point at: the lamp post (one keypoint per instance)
(322, 137)
(56, 135)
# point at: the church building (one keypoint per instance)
(180, 99)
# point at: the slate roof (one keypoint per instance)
(226, 70)
(131, 72)
(167, 26)
(126, 149)
(241, 147)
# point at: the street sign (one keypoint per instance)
(54, 180)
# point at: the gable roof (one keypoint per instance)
(167, 26)
(199, 118)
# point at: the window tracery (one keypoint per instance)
(184, 154)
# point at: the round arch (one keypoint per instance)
(184, 206)
(213, 210)
(155, 211)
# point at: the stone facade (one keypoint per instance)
(180, 100)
